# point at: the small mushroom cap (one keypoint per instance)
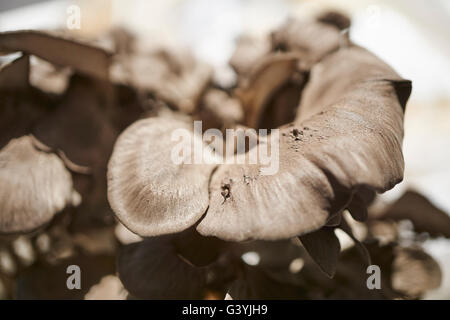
(34, 185)
(268, 76)
(49, 281)
(14, 75)
(310, 39)
(109, 288)
(151, 194)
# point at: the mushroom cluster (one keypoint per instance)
(85, 137)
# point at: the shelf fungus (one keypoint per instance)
(339, 110)
(35, 185)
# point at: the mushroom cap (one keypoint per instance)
(60, 51)
(343, 146)
(346, 140)
(14, 75)
(152, 269)
(108, 288)
(347, 136)
(415, 272)
(49, 281)
(34, 185)
(150, 194)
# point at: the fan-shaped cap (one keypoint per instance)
(152, 269)
(148, 191)
(34, 185)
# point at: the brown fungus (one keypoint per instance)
(173, 76)
(351, 117)
(152, 269)
(35, 185)
(423, 214)
(354, 112)
(150, 194)
(415, 272)
(14, 75)
(83, 58)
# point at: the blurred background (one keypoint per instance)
(413, 36)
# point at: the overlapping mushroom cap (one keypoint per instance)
(34, 186)
(345, 142)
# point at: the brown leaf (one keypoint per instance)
(271, 73)
(323, 246)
